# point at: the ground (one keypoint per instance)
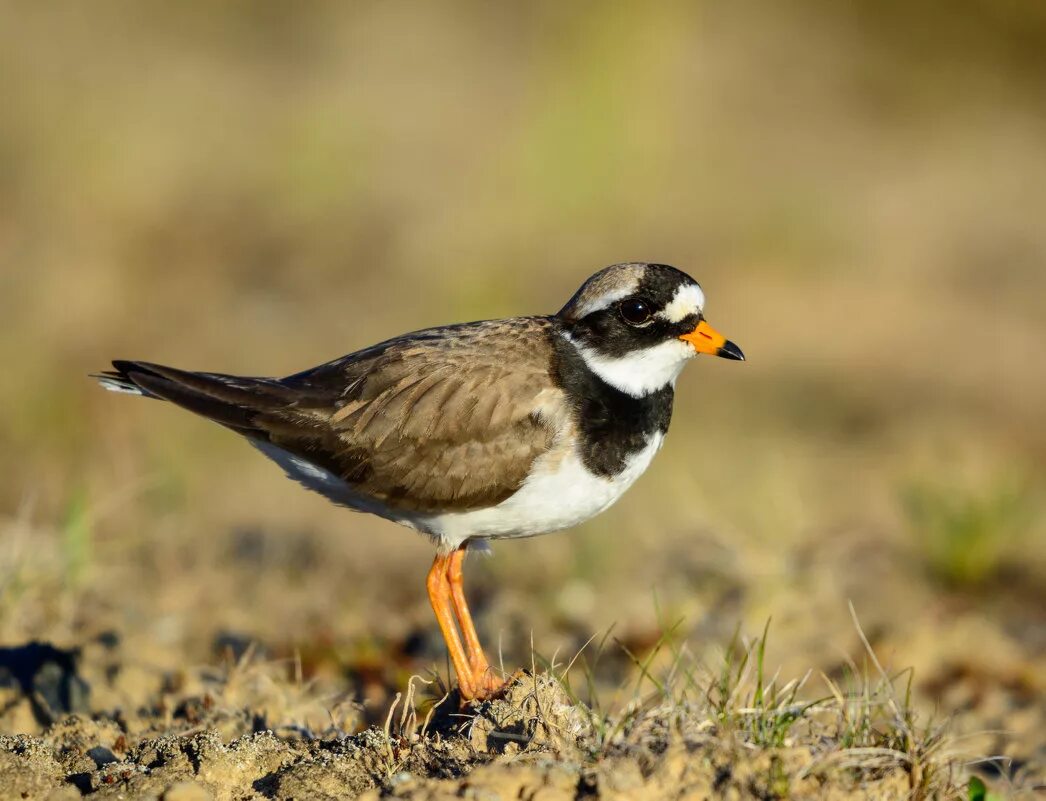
(538, 741)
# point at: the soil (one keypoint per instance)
(534, 743)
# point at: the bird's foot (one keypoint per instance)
(482, 685)
(488, 684)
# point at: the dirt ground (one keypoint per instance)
(535, 743)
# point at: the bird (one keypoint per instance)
(474, 432)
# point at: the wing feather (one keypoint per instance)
(439, 420)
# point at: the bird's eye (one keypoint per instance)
(635, 311)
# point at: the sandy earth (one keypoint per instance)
(534, 744)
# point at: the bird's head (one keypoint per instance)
(637, 324)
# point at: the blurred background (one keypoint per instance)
(257, 187)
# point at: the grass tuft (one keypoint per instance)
(863, 728)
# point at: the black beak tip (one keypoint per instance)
(730, 351)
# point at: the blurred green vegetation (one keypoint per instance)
(76, 538)
(969, 535)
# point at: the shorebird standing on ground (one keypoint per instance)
(473, 432)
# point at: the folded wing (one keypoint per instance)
(439, 420)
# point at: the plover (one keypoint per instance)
(478, 431)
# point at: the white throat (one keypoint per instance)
(640, 372)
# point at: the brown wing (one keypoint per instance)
(443, 419)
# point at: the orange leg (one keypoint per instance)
(440, 597)
(483, 678)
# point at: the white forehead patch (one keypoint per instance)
(688, 300)
(604, 301)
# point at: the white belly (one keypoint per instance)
(551, 499)
(559, 493)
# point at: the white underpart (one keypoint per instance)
(323, 481)
(559, 493)
(688, 299)
(640, 372)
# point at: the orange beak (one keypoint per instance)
(705, 339)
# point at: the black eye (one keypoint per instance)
(635, 311)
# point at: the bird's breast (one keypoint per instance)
(560, 492)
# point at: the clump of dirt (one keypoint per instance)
(533, 742)
(533, 712)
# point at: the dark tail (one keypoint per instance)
(233, 401)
